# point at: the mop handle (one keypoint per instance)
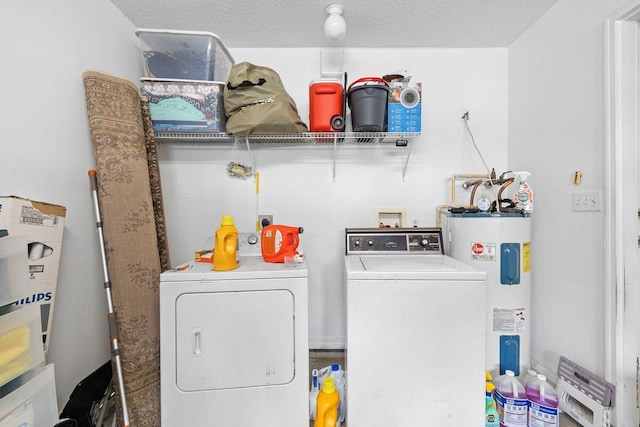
(113, 324)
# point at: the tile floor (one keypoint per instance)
(320, 359)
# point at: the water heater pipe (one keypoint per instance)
(461, 176)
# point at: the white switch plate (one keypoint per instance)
(587, 201)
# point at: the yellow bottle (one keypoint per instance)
(327, 404)
(225, 252)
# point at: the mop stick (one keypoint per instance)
(113, 324)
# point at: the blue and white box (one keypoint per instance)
(404, 112)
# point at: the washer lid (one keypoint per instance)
(412, 267)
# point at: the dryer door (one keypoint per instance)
(230, 340)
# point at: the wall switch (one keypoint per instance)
(587, 201)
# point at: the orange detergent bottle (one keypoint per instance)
(225, 252)
(278, 241)
(327, 404)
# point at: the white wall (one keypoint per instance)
(556, 94)
(46, 152)
(297, 186)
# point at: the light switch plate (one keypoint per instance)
(587, 201)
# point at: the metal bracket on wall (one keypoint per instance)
(251, 162)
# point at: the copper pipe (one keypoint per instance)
(507, 183)
(462, 175)
(477, 184)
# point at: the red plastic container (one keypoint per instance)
(325, 106)
(278, 241)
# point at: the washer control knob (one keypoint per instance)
(370, 242)
(424, 242)
(252, 239)
(356, 243)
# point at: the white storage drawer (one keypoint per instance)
(20, 342)
(31, 400)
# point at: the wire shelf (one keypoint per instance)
(308, 138)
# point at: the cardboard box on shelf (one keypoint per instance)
(404, 110)
(43, 225)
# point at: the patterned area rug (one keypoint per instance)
(131, 208)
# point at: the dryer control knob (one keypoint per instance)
(424, 242)
(252, 239)
(370, 242)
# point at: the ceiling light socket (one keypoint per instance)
(335, 27)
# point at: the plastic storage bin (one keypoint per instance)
(190, 55)
(185, 105)
(20, 342)
(30, 400)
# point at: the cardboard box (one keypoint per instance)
(13, 268)
(404, 110)
(42, 224)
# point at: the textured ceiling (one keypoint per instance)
(299, 23)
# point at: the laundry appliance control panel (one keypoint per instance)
(397, 241)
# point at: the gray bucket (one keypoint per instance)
(368, 103)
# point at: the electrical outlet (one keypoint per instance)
(587, 201)
(264, 220)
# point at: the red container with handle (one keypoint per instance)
(279, 241)
(326, 101)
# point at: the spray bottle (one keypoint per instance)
(492, 418)
(313, 394)
(524, 196)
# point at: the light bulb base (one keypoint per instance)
(334, 8)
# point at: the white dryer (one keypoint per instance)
(415, 352)
(234, 345)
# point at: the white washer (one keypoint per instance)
(234, 345)
(415, 352)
